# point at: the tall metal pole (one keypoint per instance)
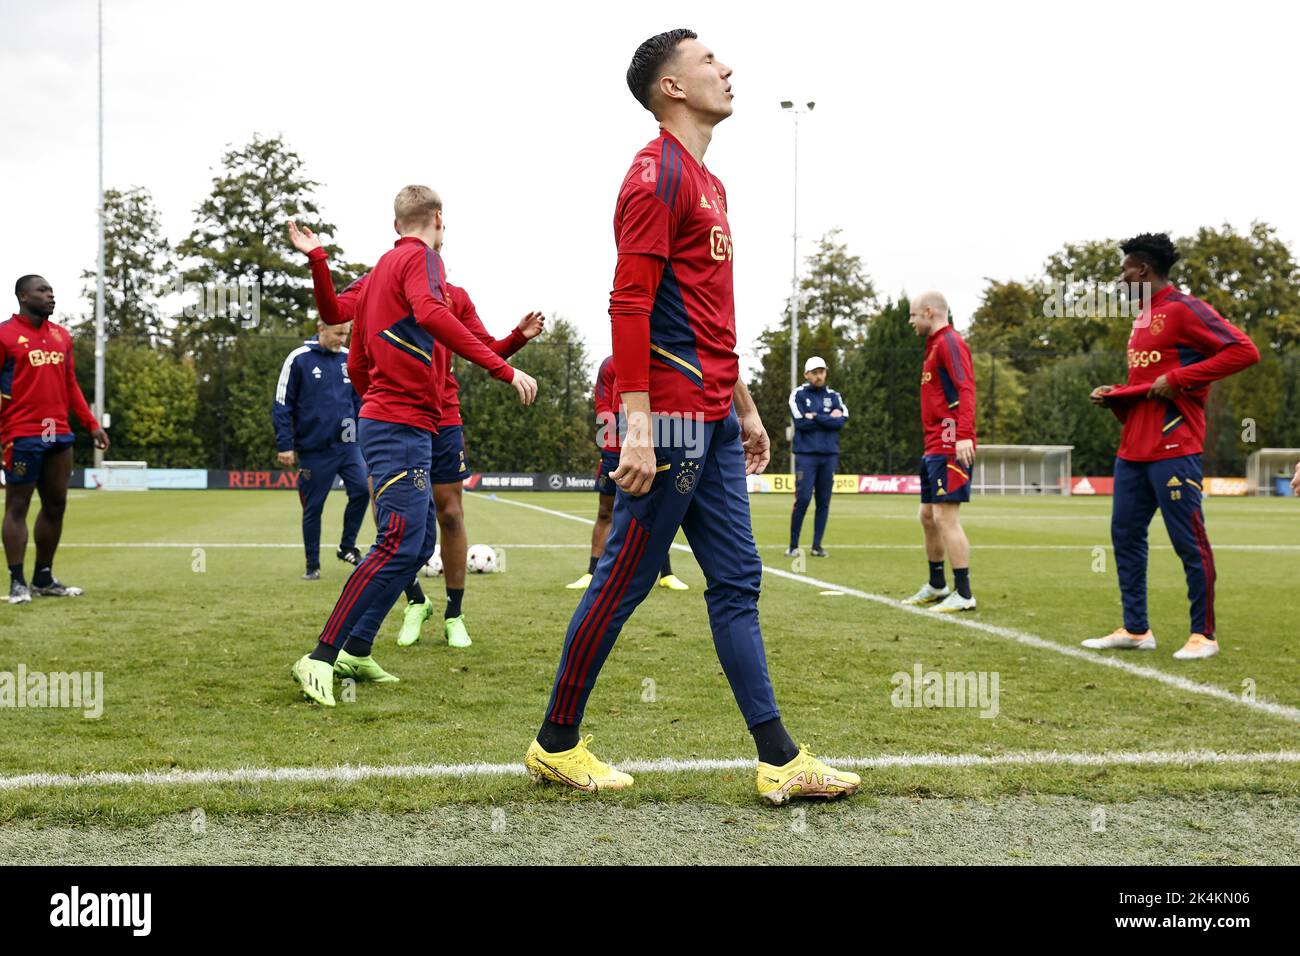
(794, 265)
(794, 269)
(99, 279)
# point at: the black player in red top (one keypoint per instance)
(1177, 348)
(37, 384)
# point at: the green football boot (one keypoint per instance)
(412, 618)
(362, 668)
(316, 678)
(454, 628)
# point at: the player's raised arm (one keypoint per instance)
(334, 309)
(422, 285)
(529, 327)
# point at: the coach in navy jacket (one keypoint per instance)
(315, 415)
(819, 413)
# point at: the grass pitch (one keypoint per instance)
(194, 612)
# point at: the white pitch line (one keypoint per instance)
(349, 774)
(1021, 637)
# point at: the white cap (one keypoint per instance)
(815, 362)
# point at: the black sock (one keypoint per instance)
(961, 577)
(415, 593)
(591, 565)
(774, 744)
(555, 738)
(454, 597)
(667, 569)
(42, 577)
(357, 647)
(325, 652)
(936, 576)
(16, 573)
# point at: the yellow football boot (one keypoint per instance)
(804, 776)
(577, 768)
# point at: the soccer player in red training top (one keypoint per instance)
(674, 333)
(449, 463)
(948, 424)
(607, 403)
(1179, 345)
(37, 384)
(401, 316)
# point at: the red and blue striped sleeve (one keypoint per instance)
(1227, 348)
(955, 356)
(424, 285)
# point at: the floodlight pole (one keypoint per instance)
(99, 278)
(794, 258)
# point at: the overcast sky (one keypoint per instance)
(951, 141)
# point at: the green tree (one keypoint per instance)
(881, 384)
(1251, 278)
(138, 266)
(154, 401)
(837, 300)
(554, 434)
(239, 239)
(1060, 412)
(240, 242)
(999, 400)
(1010, 320)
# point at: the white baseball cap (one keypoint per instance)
(815, 362)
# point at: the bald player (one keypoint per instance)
(948, 424)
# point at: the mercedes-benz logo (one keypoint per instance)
(556, 482)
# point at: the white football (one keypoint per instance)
(481, 559)
(434, 568)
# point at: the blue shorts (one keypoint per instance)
(25, 457)
(608, 463)
(449, 456)
(943, 480)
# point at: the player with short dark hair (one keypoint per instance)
(37, 385)
(948, 426)
(605, 398)
(1179, 345)
(401, 317)
(315, 418)
(673, 321)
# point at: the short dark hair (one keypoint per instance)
(1155, 249)
(649, 60)
(22, 283)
